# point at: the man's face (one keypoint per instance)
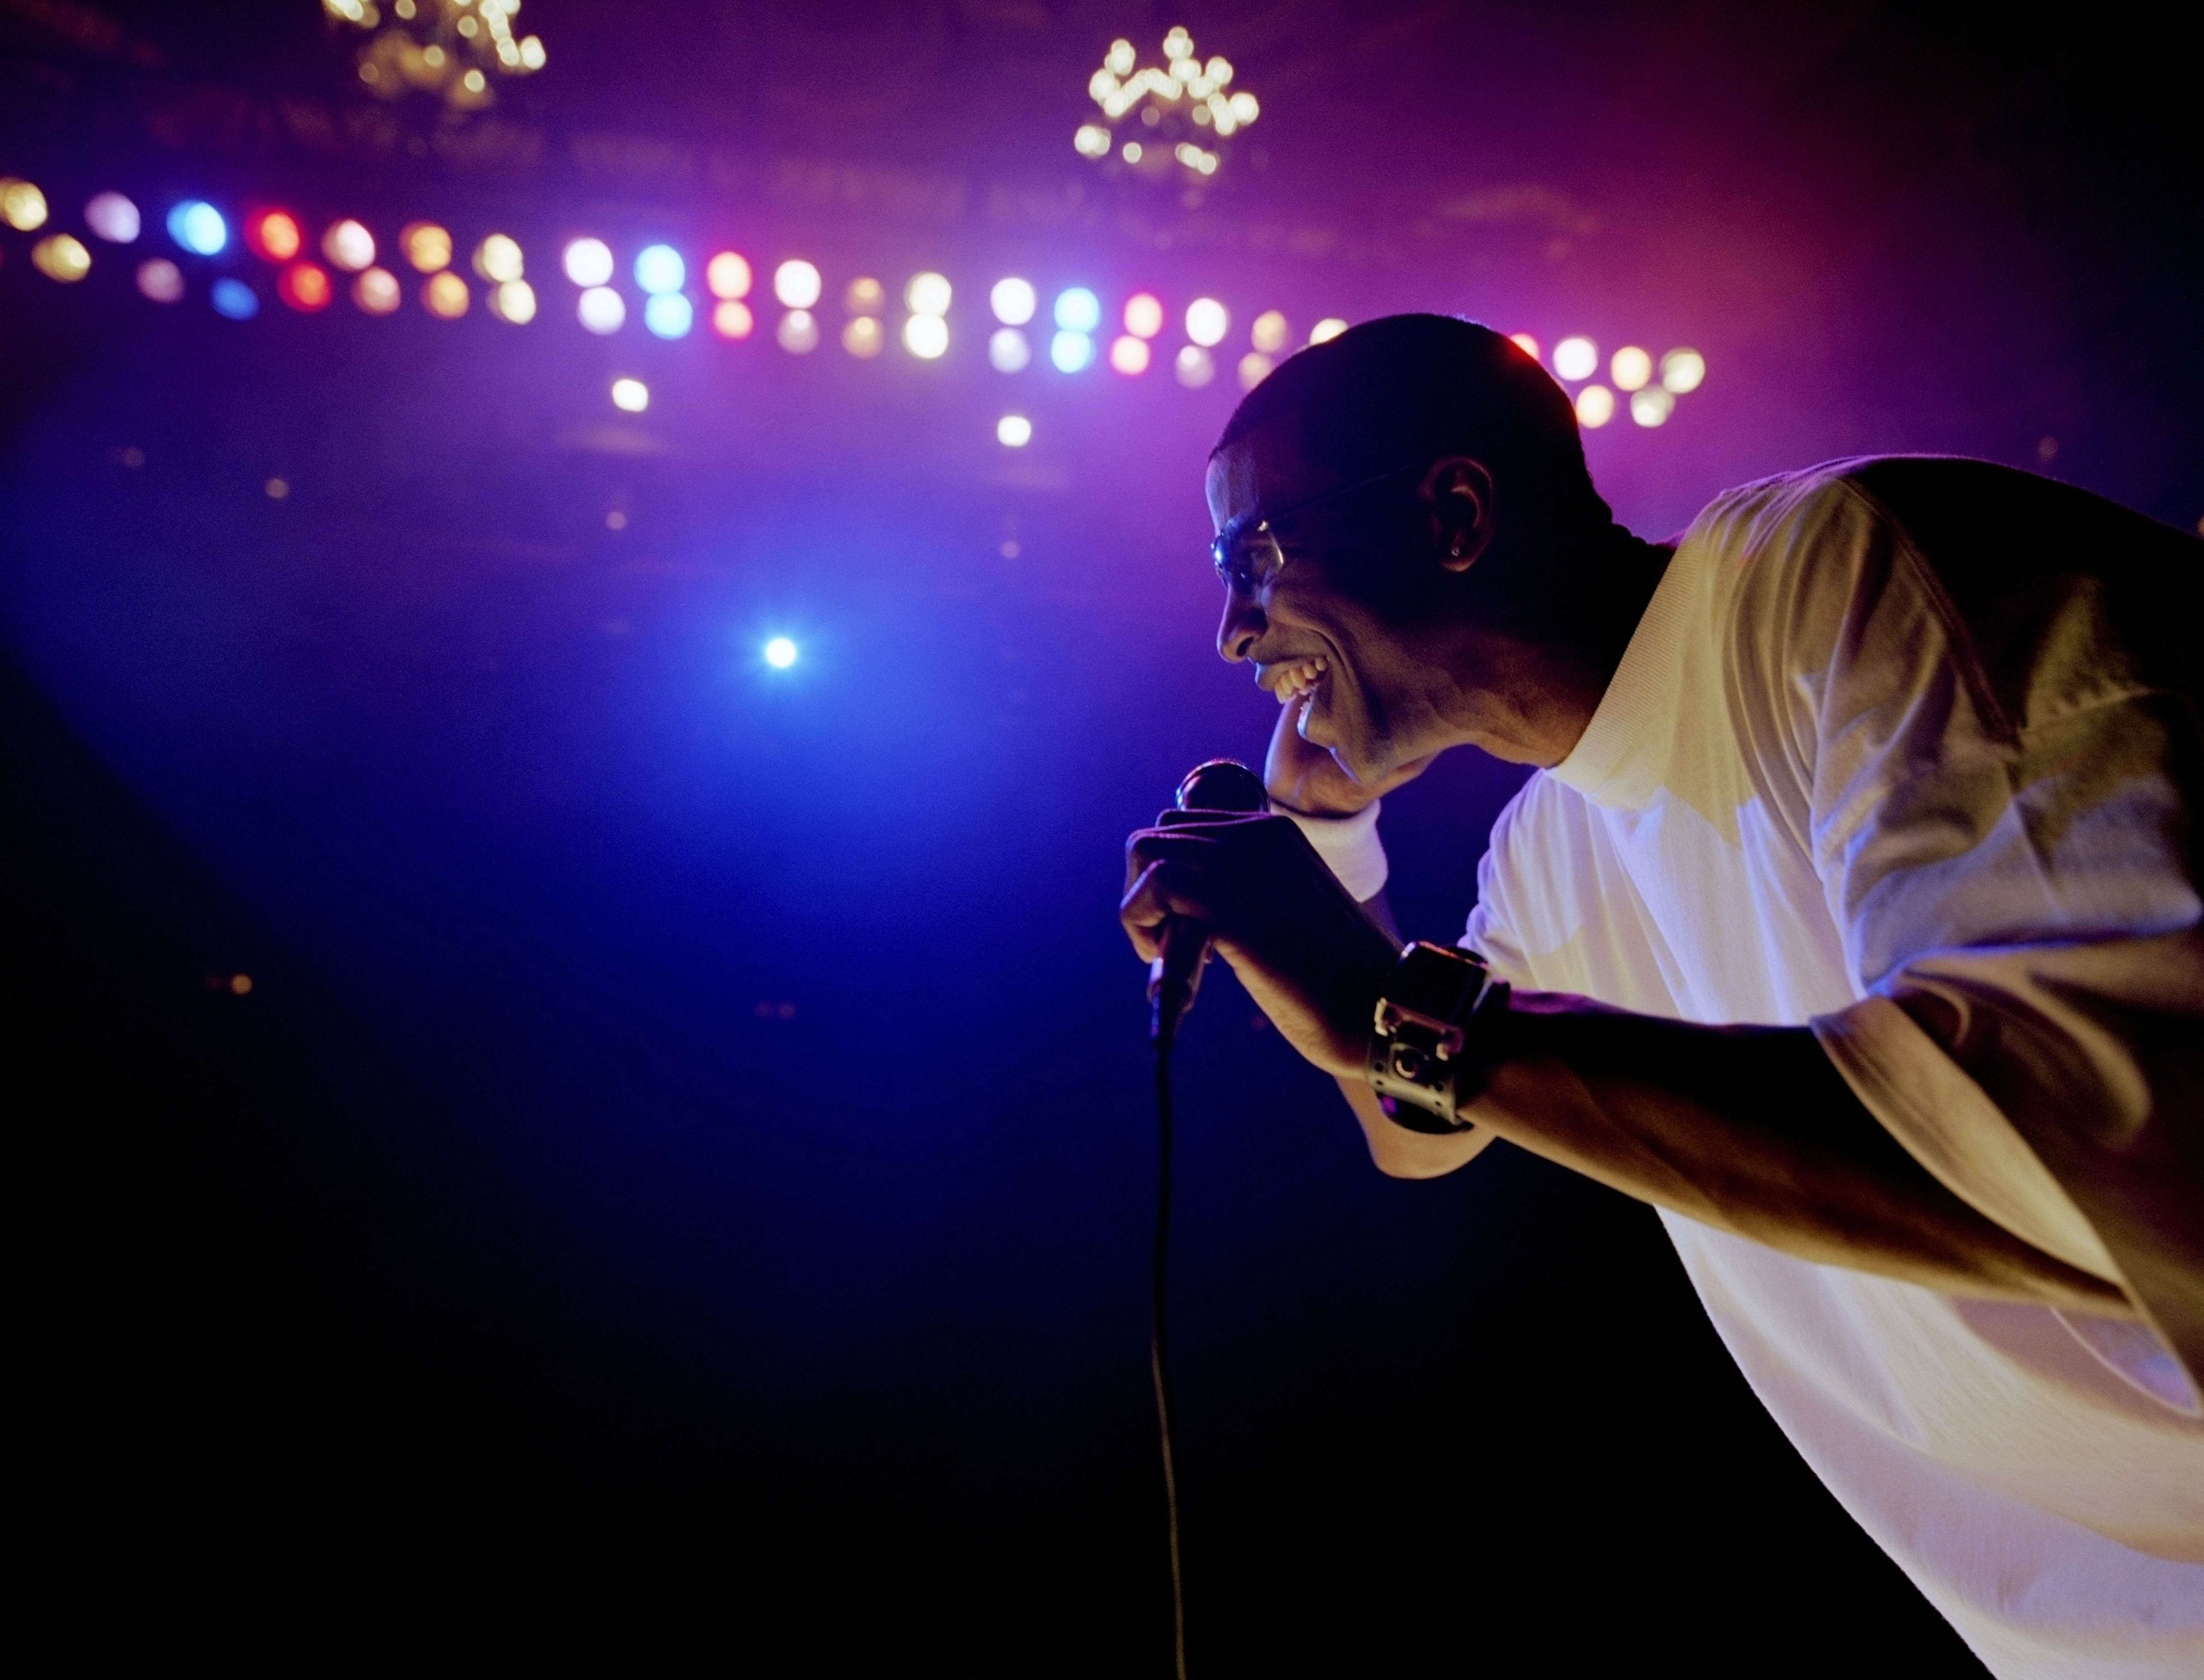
(1317, 642)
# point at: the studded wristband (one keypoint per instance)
(1430, 1050)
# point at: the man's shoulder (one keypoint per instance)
(2014, 559)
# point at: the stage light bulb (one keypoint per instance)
(588, 262)
(498, 258)
(1595, 407)
(1078, 310)
(659, 270)
(733, 319)
(1268, 334)
(1009, 350)
(306, 287)
(349, 246)
(1128, 355)
(1207, 321)
(1526, 343)
(727, 276)
(197, 227)
(61, 256)
(23, 207)
(864, 296)
(863, 338)
(1576, 358)
(1682, 370)
(1630, 368)
(160, 280)
(1194, 366)
(113, 217)
(1090, 139)
(376, 291)
(797, 284)
(513, 301)
(1013, 431)
(1013, 301)
(630, 397)
(780, 653)
(1144, 315)
(273, 236)
(1255, 369)
(602, 309)
(669, 315)
(427, 247)
(927, 294)
(234, 299)
(445, 296)
(1135, 152)
(1070, 351)
(1327, 329)
(798, 332)
(1652, 405)
(926, 336)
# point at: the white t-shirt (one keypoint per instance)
(1828, 775)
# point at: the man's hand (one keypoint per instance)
(1307, 778)
(1312, 961)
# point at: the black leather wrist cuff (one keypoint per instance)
(1430, 1050)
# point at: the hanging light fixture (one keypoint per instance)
(454, 50)
(1151, 117)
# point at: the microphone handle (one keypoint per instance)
(1175, 976)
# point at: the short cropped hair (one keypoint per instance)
(1406, 390)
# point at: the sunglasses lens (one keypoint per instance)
(1246, 561)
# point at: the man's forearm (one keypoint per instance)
(1751, 1130)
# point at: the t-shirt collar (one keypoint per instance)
(1623, 753)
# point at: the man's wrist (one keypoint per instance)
(1433, 1041)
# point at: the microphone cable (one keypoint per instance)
(1222, 786)
(1159, 1273)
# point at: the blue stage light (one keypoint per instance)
(1070, 351)
(197, 227)
(234, 299)
(669, 315)
(659, 269)
(780, 653)
(1078, 310)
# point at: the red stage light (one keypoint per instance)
(305, 287)
(273, 236)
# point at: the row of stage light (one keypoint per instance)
(1074, 332)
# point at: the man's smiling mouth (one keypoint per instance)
(1298, 686)
(1299, 680)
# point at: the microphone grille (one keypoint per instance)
(1223, 784)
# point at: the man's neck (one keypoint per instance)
(1531, 699)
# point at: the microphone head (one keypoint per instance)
(1223, 784)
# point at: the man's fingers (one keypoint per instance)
(1161, 891)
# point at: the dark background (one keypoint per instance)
(677, 1186)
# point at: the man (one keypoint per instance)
(1852, 914)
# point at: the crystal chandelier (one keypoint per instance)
(1165, 116)
(453, 49)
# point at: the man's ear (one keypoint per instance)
(1458, 489)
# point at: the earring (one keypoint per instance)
(1460, 538)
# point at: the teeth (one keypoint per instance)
(1299, 679)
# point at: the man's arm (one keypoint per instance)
(1753, 1131)
(1748, 1130)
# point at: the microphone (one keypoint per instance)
(1220, 785)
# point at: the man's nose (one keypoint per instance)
(1242, 627)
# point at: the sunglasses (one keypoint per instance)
(1246, 551)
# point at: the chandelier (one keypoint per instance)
(1164, 116)
(453, 49)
